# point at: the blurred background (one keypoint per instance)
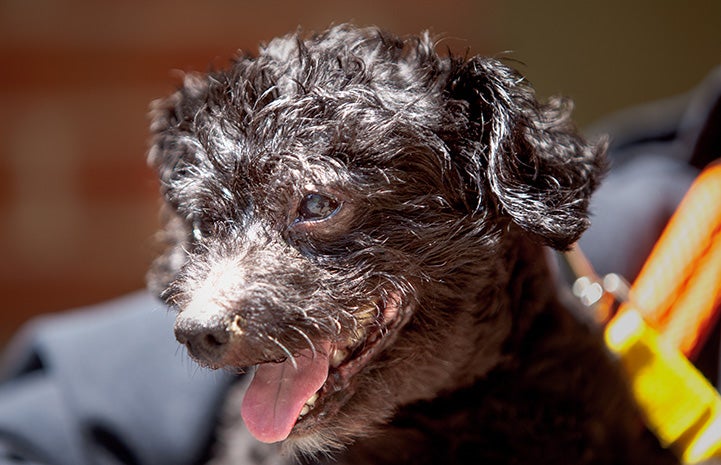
(77, 202)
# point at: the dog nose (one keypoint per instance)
(206, 337)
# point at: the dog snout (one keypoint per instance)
(205, 335)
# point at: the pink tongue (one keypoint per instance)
(278, 391)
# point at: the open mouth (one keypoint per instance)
(299, 391)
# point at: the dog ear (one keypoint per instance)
(171, 118)
(537, 168)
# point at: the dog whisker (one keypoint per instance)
(302, 333)
(282, 347)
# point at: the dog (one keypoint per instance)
(365, 221)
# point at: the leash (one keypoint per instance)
(664, 318)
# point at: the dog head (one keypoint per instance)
(341, 212)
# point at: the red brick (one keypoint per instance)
(115, 179)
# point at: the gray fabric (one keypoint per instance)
(630, 211)
(656, 152)
(106, 385)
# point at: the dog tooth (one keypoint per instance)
(311, 402)
(338, 356)
(304, 411)
(360, 333)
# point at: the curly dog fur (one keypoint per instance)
(369, 216)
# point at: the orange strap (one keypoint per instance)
(679, 288)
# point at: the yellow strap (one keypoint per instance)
(681, 407)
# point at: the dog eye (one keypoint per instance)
(315, 207)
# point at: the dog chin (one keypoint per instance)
(311, 444)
